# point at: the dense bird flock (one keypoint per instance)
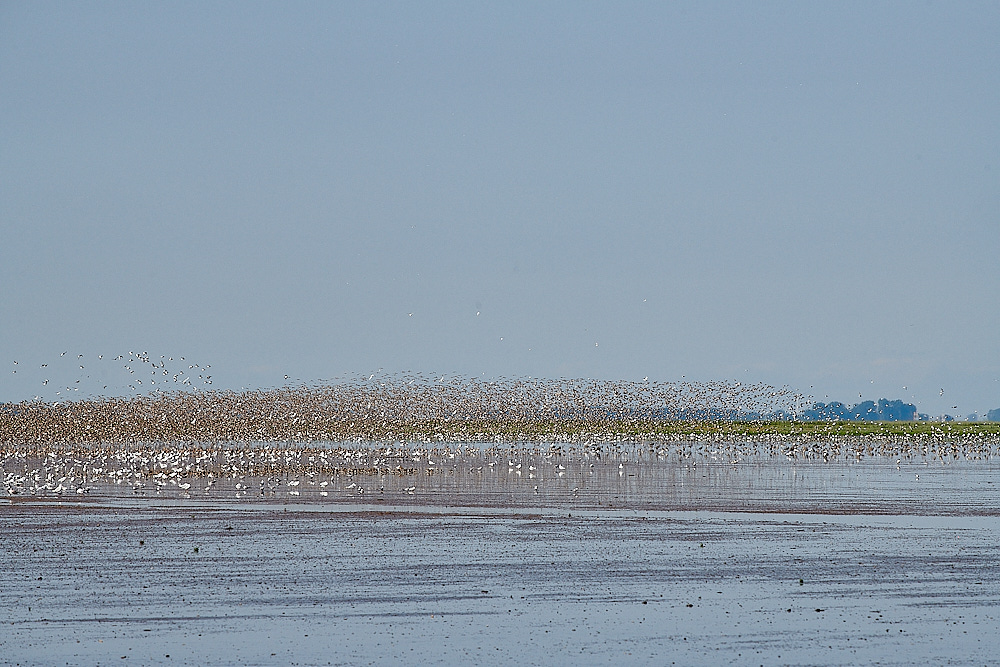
(394, 430)
(417, 409)
(398, 408)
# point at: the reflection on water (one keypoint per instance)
(535, 476)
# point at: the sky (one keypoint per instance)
(802, 194)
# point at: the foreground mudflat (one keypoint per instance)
(178, 581)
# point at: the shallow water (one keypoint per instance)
(766, 563)
(870, 487)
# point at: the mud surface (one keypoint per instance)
(197, 581)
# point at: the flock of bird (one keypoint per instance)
(69, 376)
(373, 434)
(390, 408)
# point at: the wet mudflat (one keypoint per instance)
(602, 575)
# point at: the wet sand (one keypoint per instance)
(769, 563)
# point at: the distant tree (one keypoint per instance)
(993, 415)
(865, 411)
(884, 410)
(896, 410)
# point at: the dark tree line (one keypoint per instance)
(882, 410)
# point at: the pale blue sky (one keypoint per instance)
(796, 193)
